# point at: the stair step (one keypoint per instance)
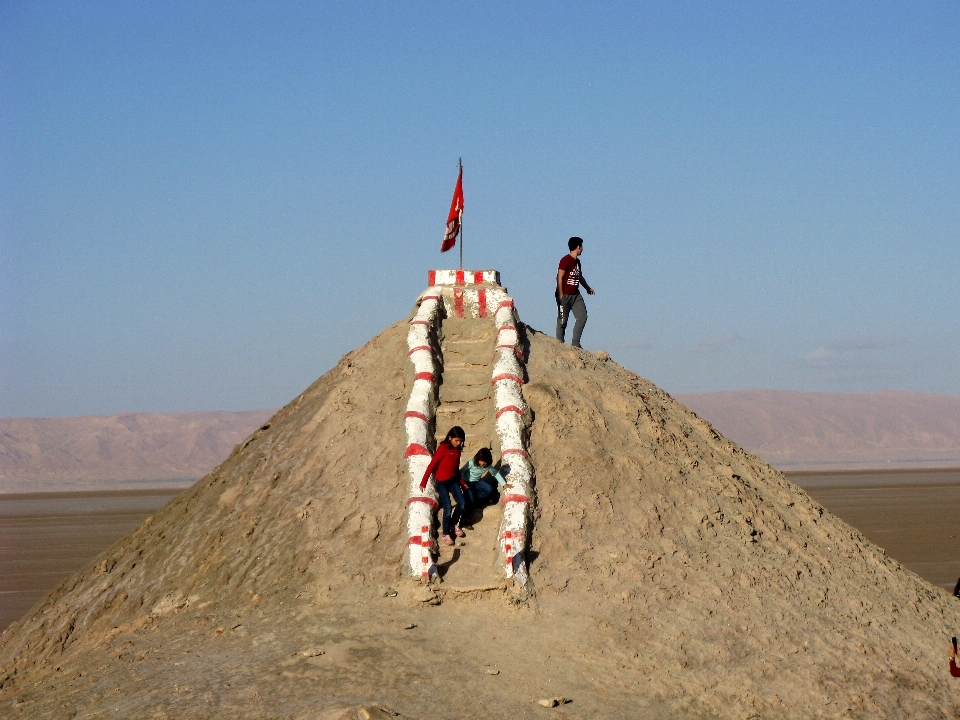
(478, 358)
(449, 341)
(467, 378)
(475, 413)
(470, 566)
(464, 393)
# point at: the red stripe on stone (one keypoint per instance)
(458, 302)
(430, 297)
(505, 303)
(482, 300)
(478, 278)
(415, 414)
(515, 451)
(419, 322)
(515, 498)
(421, 347)
(425, 376)
(507, 376)
(432, 278)
(512, 535)
(429, 501)
(460, 278)
(416, 449)
(509, 408)
(505, 327)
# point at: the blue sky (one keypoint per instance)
(204, 205)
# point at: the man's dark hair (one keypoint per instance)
(574, 242)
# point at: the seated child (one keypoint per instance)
(480, 490)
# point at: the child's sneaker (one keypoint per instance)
(459, 531)
(447, 540)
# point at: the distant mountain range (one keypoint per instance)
(794, 431)
(120, 451)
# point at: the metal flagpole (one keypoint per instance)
(460, 165)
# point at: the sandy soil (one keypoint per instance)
(674, 575)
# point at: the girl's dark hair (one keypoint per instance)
(483, 455)
(455, 432)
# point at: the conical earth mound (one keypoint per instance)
(671, 575)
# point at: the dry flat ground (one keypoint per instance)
(46, 538)
(919, 525)
(674, 574)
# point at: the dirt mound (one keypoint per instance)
(673, 573)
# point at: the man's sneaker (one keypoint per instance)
(447, 540)
(459, 531)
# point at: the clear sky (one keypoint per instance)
(204, 205)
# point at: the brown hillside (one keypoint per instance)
(79, 453)
(838, 431)
(674, 575)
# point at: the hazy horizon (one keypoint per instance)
(203, 206)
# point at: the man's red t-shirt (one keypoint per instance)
(571, 274)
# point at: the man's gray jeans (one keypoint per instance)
(571, 304)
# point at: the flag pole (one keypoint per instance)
(460, 165)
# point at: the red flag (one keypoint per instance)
(453, 219)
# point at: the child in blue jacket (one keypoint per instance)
(481, 491)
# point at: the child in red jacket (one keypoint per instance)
(445, 467)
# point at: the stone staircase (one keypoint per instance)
(466, 399)
(468, 370)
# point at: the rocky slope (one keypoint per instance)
(673, 574)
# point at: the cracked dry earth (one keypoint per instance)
(674, 575)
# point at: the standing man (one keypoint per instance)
(569, 300)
